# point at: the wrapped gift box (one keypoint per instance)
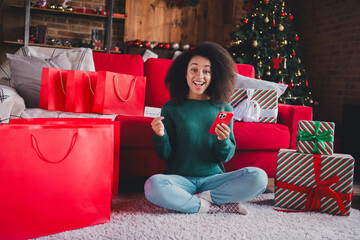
(308, 182)
(315, 137)
(266, 99)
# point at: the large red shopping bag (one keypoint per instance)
(80, 91)
(119, 94)
(53, 89)
(65, 121)
(54, 178)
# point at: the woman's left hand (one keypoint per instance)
(222, 131)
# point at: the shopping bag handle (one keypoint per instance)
(35, 146)
(62, 83)
(90, 83)
(118, 92)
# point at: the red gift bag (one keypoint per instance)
(80, 91)
(65, 121)
(119, 94)
(54, 178)
(53, 89)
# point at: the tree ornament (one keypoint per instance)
(277, 62)
(153, 45)
(167, 46)
(160, 45)
(137, 43)
(291, 17)
(186, 47)
(282, 14)
(266, 20)
(296, 37)
(291, 85)
(130, 43)
(281, 27)
(293, 53)
(268, 73)
(146, 44)
(255, 43)
(245, 21)
(175, 46)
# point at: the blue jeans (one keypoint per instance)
(176, 192)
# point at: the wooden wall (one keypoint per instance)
(153, 20)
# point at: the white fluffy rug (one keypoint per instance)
(133, 217)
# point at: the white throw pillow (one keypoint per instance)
(26, 75)
(79, 58)
(11, 104)
(253, 83)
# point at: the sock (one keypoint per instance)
(207, 207)
(205, 195)
(228, 208)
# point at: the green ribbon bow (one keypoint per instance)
(317, 137)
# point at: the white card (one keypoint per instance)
(152, 112)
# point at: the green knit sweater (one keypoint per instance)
(187, 146)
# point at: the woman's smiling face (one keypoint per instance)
(198, 77)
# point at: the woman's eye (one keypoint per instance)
(206, 71)
(194, 70)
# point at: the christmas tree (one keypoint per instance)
(266, 40)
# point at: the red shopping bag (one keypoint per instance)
(119, 94)
(65, 121)
(80, 91)
(54, 178)
(53, 89)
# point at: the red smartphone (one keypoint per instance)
(222, 117)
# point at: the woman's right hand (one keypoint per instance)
(158, 126)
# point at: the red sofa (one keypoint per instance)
(257, 144)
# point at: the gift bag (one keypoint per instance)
(80, 91)
(54, 178)
(65, 121)
(53, 89)
(119, 94)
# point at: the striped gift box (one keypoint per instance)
(308, 182)
(267, 100)
(315, 137)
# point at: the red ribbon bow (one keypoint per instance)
(321, 189)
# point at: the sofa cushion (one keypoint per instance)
(79, 58)
(246, 70)
(135, 131)
(27, 73)
(156, 93)
(11, 104)
(261, 136)
(266, 160)
(119, 63)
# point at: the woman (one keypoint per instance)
(200, 82)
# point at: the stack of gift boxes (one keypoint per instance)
(313, 177)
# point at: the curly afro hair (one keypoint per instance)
(222, 73)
